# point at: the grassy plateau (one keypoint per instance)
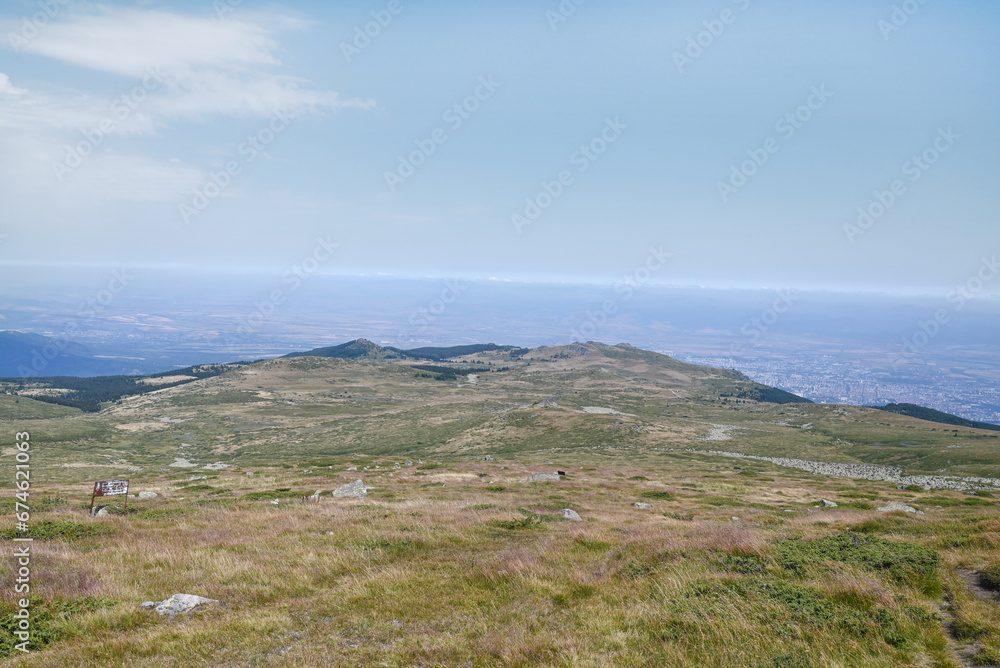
(453, 559)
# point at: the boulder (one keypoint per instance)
(101, 511)
(146, 494)
(642, 505)
(896, 506)
(409, 462)
(488, 458)
(539, 477)
(352, 490)
(177, 604)
(571, 515)
(827, 504)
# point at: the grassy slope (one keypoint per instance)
(463, 562)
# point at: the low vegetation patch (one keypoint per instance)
(49, 621)
(905, 562)
(57, 529)
(658, 495)
(280, 493)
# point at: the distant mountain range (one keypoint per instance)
(91, 382)
(33, 355)
(365, 349)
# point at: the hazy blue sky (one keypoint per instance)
(162, 95)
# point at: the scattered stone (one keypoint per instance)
(548, 403)
(642, 505)
(102, 511)
(308, 471)
(409, 462)
(316, 494)
(275, 502)
(352, 490)
(827, 504)
(352, 468)
(735, 519)
(488, 458)
(197, 477)
(892, 474)
(539, 477)
(249, 472)
(571, 515)
(146, 494)
(181, 463)
(217, 466)
(178, 604)
(897, 506)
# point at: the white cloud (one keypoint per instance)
(211, 66)
(204, 69)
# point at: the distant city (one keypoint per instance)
(828, 379)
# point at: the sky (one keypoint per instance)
(846, 146)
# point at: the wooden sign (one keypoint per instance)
(109, 488)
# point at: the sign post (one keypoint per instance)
(109, 488)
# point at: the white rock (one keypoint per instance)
(177, 604)
(642, 505)
(897, 506)
(539, 477)
(571, 515)
(146, 494)
(352, 490)
(827, 504)
(275, 502)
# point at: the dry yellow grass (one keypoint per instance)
(454, 575)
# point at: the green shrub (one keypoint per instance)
(280, 493)
(48, 621)
(658, 495)
(903, 561)
(636, 569)
(747, 564)
(50, 529)
(531, 521)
